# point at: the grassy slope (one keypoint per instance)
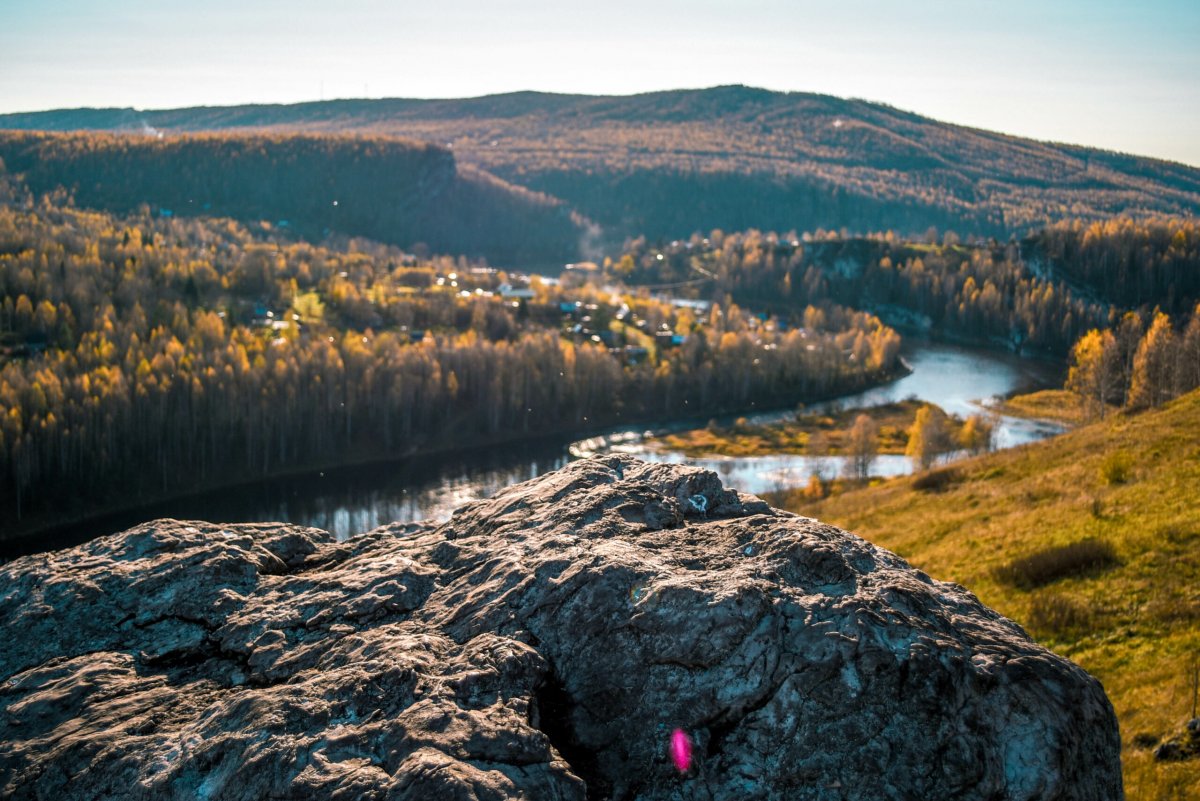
(1141, 629)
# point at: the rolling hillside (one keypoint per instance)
(732, 157)
(1122, 602)
(396, 191)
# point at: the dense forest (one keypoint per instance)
(142, 355)
(406, 193)
(1072, 277)
(665, 164)
(977, 293)
(1129, 263)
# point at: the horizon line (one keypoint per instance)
(696, 89)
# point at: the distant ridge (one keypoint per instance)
(408, 193)
(673, 162)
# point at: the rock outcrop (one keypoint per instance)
(574, 637)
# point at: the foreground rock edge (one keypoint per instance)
(545, 643)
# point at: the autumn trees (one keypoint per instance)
(933, 434)
(978, 433)
(863, 446)
(1128, 262)
(1095, 371)
(928, 437)
(1041, 294)
(1154, 373)
(1135, 369)
(143, 355)
(984, 292)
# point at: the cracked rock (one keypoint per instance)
(548, 643)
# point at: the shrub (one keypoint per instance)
(1145, 740)
(1041, 568)
(937, 480)
(1117, 468)
(1057, 615)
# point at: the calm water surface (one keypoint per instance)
(349, 501)
(960, 380)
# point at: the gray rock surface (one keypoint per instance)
(543, 644)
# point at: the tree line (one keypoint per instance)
(1129, 263)
(1040, 294)
(143, 355)
(980, 291)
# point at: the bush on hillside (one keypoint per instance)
(1049, 565)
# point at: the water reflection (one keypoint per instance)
(960, 380)
(344, 502)
(349, 501)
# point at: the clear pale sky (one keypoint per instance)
(1118, 75)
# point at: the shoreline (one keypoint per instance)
(22, 541)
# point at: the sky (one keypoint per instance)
(1117, 75)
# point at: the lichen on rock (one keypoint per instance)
(547, 643)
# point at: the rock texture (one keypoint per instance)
(543, 644)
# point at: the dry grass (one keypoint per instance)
(740, 439)
(1116, 468)
(1135, 624)
(1048, 404)
(1060, 615)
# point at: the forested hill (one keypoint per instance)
(733, 157)
(397, 191)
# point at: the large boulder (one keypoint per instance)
(614, 629)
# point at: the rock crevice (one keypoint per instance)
(547, 643)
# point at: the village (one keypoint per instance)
(583, 303)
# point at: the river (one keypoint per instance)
(351, 500)
(961, 380)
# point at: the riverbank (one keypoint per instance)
(30, 538)
(347, 497)
(961, 381)
(820, 434)
(48, 530)
(1058, 405)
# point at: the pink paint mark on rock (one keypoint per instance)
(681, 750)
